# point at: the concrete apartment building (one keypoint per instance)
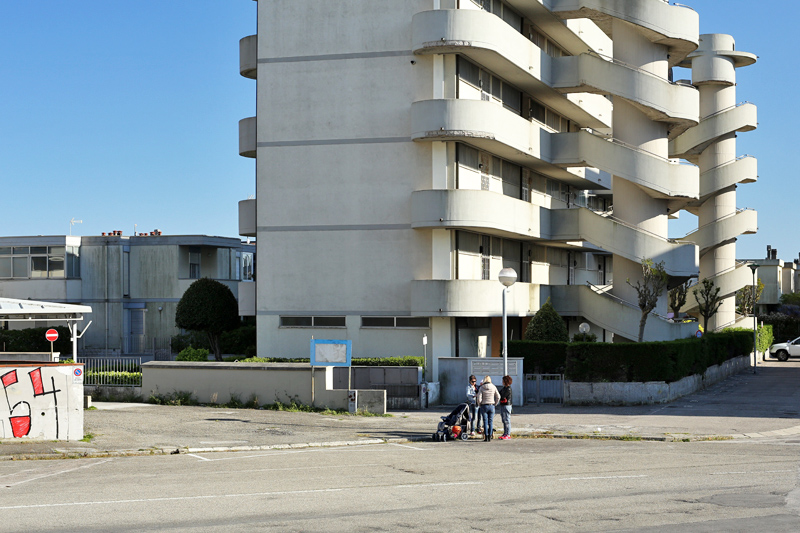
(132, 283)
(408, 151)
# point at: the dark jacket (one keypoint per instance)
(505, 396)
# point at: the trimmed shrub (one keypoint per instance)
(547, 325)
(407, 360)
(193, 354)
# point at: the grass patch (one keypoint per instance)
(91, 408)
(174, 398)
(88, 437)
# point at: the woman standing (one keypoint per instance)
(505, 407)
(472, 389)
(486, 398)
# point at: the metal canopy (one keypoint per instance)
(29, 310)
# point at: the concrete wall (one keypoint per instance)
(44, 401)
(269, 383)
(651, 392)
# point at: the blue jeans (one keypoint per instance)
(487, 414)
(473, 417)
(505, 415)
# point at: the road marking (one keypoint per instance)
(407, 446)
(240, 495)
(58, 473)
(753, 472)
(599, 477)
(362, 448)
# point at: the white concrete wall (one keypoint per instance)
(44, 401)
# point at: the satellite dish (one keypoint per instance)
(584, 327)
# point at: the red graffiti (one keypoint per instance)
(36, 381)
(20, 425)
(9, 378)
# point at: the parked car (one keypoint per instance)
(783, 350)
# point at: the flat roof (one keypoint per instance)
(22, 310)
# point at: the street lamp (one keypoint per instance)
(507, 277)
(754, 267)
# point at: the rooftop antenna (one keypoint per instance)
(72, 222)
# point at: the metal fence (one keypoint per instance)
(544, 388)
(124, 371)
(159, 347)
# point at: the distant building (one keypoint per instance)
(133, 284)
(406, 152)
(779, 277)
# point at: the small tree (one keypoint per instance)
(547, 325)
(708, 300)
(649, 289)
(210, 307)
(745, 304)
(677, 297)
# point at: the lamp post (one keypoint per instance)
(754, 267)
(507, 277)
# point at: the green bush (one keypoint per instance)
(547, 325)
(240, 341)
(193, 354)
(112, 378)
(32, 340)
(407, 360)
(584, 337)
(653, 361)
(540, 357)
(784, 327)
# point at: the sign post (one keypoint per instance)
(52, 336)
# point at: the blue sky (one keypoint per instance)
(123, 113)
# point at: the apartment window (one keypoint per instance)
(411, 322)
(491, 87)
(73, 262)
(194, 263)
(312, 321)
(248, 267)
(32, 262)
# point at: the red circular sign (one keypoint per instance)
(51, 335)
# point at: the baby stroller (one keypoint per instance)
(455, 425)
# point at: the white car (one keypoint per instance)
(784, 350)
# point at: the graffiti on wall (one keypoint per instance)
(35, 397)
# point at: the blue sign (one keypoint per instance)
(331, 352)
(698, 334)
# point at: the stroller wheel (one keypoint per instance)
(464, 435)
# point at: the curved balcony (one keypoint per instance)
(491, 127)
(724, 230)
(680, 259)
(728, 282)
(246, 296)
(658, 176)
(676, 27)
(614, 315)
(739, 118)
(483, 211)
(247, 218)
(248, 56)
(247, 137)
(487, 40)
(741, 170)
(468, 298)
(657, 97)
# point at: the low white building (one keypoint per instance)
(132, 283)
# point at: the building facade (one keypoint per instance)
(133, 284)
(406, 152)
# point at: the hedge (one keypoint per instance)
(32, 340)
(632, 362)
(407, 360)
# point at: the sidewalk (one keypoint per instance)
(764, 406)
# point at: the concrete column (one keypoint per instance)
(440, 343)
(713, 72)
(632, 204)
